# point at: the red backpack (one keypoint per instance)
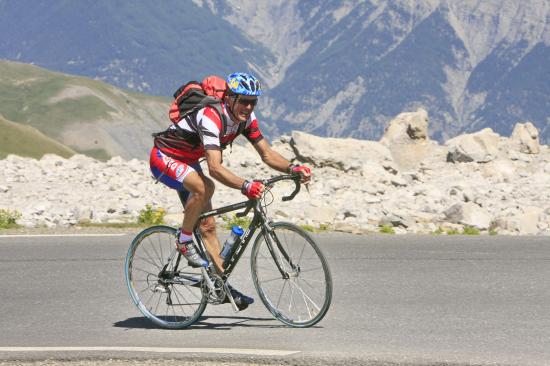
(189, 99)
(193, 96)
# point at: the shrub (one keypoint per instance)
(308, 228)
(8, 218)
(468, 230)
(453, 232)
(439, 231)
(324, 227)
(243, 222)
(493, 232)
(386, 229)
(150, 216)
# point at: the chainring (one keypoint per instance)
(216, 295)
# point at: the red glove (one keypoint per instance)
(304, 171)
(253, 189)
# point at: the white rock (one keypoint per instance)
(406, 127)
(469, 214)
(526, 137)
(479, 147)
(352, 187)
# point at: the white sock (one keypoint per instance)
(185, 236)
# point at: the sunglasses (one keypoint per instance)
(246, 101)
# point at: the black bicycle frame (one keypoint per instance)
(239, 247)
(257, 220)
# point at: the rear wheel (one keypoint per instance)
(164, 287)
(301, 295)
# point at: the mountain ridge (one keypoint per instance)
(334, 68)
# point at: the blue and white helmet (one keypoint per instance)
(244, 84)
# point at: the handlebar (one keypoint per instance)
(296, 177)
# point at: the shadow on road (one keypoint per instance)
(205, 322)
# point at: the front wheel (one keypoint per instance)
(161, 283)
(298, 292)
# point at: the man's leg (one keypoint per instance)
(211, 241)
(198, 201)
(208, 225)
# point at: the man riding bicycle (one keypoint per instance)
(175, 162)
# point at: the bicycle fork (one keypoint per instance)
(270, 237)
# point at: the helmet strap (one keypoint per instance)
(232, 108)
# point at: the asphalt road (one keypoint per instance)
(397, 299)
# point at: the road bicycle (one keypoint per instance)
(289, 271)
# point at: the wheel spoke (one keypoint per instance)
(304, 295)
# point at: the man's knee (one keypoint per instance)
(201, 187)
(208, 226)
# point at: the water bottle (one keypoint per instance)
(236, 233)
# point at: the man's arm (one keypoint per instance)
(276, 161)
(221, 173)
(251, 189)
(271, 157)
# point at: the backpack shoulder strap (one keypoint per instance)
(218, 108)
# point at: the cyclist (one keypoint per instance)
(175, 158)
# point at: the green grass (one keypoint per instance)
(27, 141)
(99, 154)
(312, 229)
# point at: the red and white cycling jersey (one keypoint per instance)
(205, 131)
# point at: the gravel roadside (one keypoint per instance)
(72, 230)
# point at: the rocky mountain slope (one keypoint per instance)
(405, 181)
(332, 67)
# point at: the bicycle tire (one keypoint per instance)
(294, 300)
(171, 299)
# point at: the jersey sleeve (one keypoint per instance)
(209, 127)
(252, 131)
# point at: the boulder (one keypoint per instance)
(468, 214)
(526, 137)
(407, 139)
(524, 223)
(343, 154)
(479, 147)
(407, 127)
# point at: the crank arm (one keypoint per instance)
(231, 300)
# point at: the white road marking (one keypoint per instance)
(237, 351)
(52, 235)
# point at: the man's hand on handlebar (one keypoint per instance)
(252, 189)
(303, 170)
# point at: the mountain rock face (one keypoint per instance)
(331, 68)
(354, 65)
(409, 184)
